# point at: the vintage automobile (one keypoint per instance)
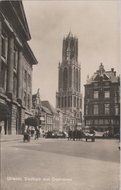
(55, 134)
(88, 135)
(50, 134)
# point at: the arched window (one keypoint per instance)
(65, 79)
(77, 79)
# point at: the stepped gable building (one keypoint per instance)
(68, 97)
(16, 62)
(102, 100)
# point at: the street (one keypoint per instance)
(59, 164)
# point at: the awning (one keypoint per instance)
(4, 111)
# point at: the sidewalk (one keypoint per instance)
(13, 137)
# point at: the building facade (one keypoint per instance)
(55, 116)
(102, 100)
(16, 62)
(68, 97)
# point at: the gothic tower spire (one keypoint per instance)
(68, 97)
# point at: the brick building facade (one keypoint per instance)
(102, 100)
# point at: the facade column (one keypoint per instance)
(0, 52)
(0, 41)
(10, 67)
(20, 77)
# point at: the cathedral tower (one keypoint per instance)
(68, 97)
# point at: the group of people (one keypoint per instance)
(30, 132)
(77, 134)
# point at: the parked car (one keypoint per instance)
(117, 135)
(50, 134)
(61, 134)
(89, 134)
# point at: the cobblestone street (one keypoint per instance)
(59, 164)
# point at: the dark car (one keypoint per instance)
(50, 134)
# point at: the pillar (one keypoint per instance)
(10, 67)
(0, 41)
(0, 50)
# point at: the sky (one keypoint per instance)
(96, 24)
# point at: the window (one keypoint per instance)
(29, 80)
(25, 98)
(76, 80)
(95, 84)
(15, 85)
(95, 109)
(107, 83)
(107, 109)
(107, 121)
(25, 76)
(96, 121)
(28, 101)
(86, 109)
(96, 94)
(65, 79)
(116, 109)
(3, 51)
(15, 58)
(88, 122)
(101, 121)
(74, 101)
(2, 75)
(107, 94)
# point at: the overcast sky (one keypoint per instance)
(94, 23)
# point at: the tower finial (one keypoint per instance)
(70, 34)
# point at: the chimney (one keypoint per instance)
(112, 69)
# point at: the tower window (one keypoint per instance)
(65, 79)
